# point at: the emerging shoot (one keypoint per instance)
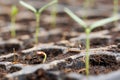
(14, 12)
(44, 54)
(88, 29)
(37, 15)
(15, 59)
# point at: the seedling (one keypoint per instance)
(14, 12)
(42, 53)
(37, 15)
(88, 29)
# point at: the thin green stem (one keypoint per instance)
(86, 7)
(87, 51)
(54, 15)
(37, 27)
(86, 4)
(13, 33)
(115, 10)
(92, 3)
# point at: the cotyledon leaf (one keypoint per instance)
(28, 6)
(104, 21)
(76, 18)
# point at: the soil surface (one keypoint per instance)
(99, 64)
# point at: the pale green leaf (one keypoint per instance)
(28, 6)
(76, 18)
(104, 21)
(47, 5)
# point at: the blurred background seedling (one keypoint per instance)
(37, 15)
(14, 12)
(115, 9)
(116, 6)
(54, 14)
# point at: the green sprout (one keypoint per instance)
(14, 12)
(42, 53)
(54, 14)
(37, 15)
(88, 30)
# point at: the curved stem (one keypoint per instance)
(43, 53)
(45, 57)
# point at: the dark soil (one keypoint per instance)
(115, 48)
(33, 58)
(98, 64)
(41, 74)
(97, 42)
(4, 71)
